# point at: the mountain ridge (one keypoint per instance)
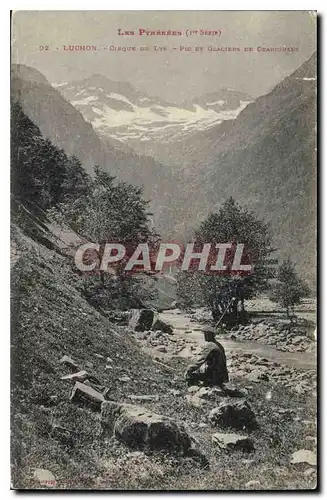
(121, 113)
(267, 152)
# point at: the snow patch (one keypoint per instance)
(97, 111)
(150, 121)
(59, 84)
(307, 78)
(120, 97)
(219, 103)
(86, 100)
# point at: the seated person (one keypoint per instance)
(210, 367)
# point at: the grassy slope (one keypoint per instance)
(50, 318)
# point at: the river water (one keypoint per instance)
(183, 326)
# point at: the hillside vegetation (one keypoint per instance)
(52, 317)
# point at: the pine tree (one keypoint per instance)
(290, 289)
(225, 294)
(76, 182)
(111, 211)
(38, 168)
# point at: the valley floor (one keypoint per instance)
(63, 440)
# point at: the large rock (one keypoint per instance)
(233, 442)
(69, 362)
(233, 391)
(45, 478)
(237, 415)
(304, 456)
(254, 484)
(193, 388)
(194, 400)
(138, 428)
(83, 393)
(76, 377)
(115, 316)
(185, 353)
(141, 319)
(210, 393)
(162, 326)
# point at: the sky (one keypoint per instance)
(172, 74)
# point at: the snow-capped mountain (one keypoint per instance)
(264, 158)
(223, 100)
(117, 110)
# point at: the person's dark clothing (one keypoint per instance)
(210, 367)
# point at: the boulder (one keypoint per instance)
(139, 428)
(162, 326)
(89, 382)
(45, 478)
(297, 340)
(233, 442)
(116, 316)
(210, 393)
(194, 400)
(304, 456)
(69, 362)
(234, 392)
(252, 484)
(83, 393)
(237, 415)
(141, 319)
(77, 376)
(262, 361)
(193, 388)
(185, 353)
